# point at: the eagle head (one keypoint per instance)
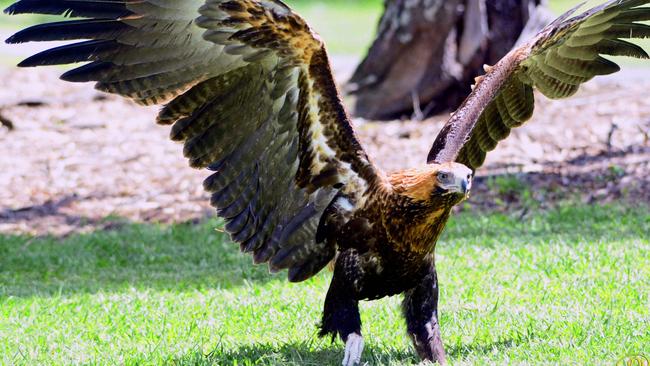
(440, 184)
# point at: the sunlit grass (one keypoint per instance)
(569, 286)
(348, 27)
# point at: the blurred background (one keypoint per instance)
(348, 26)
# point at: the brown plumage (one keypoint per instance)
(248, 90)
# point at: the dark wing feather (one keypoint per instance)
(248, 90)
(556, 62)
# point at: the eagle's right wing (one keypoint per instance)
(249, 91)
(566, 54)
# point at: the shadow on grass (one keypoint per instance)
(196, 256)
(460, 351)
(608, 176)
(164, 257)
(294, 354)
(569, 224)
(308, 354)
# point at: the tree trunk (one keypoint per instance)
(428, 52)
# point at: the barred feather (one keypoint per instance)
(247, 89)
(564, 55)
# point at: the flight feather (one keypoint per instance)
(248, 90)
(564, 55)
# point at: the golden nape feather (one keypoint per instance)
(247, 88)
(422, 182)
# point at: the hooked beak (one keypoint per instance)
(462, 186)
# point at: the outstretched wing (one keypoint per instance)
(564, 55)
(249, 91)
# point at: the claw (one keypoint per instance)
(353, 350)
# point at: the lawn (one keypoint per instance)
(348, 26)
(566, 286)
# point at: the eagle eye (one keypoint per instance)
(443, 177)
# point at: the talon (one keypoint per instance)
(353, 350)
(487, 68)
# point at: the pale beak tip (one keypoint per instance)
(464, 186)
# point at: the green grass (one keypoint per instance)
(347, 26)
(560, 6)
(568, 286)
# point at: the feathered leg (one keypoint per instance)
(421, 312)
(341, 314)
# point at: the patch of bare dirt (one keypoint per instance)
(75, 156)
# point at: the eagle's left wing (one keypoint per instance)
(564, 55)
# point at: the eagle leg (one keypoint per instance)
(353, 350)
(341, 313)
(420, 308)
